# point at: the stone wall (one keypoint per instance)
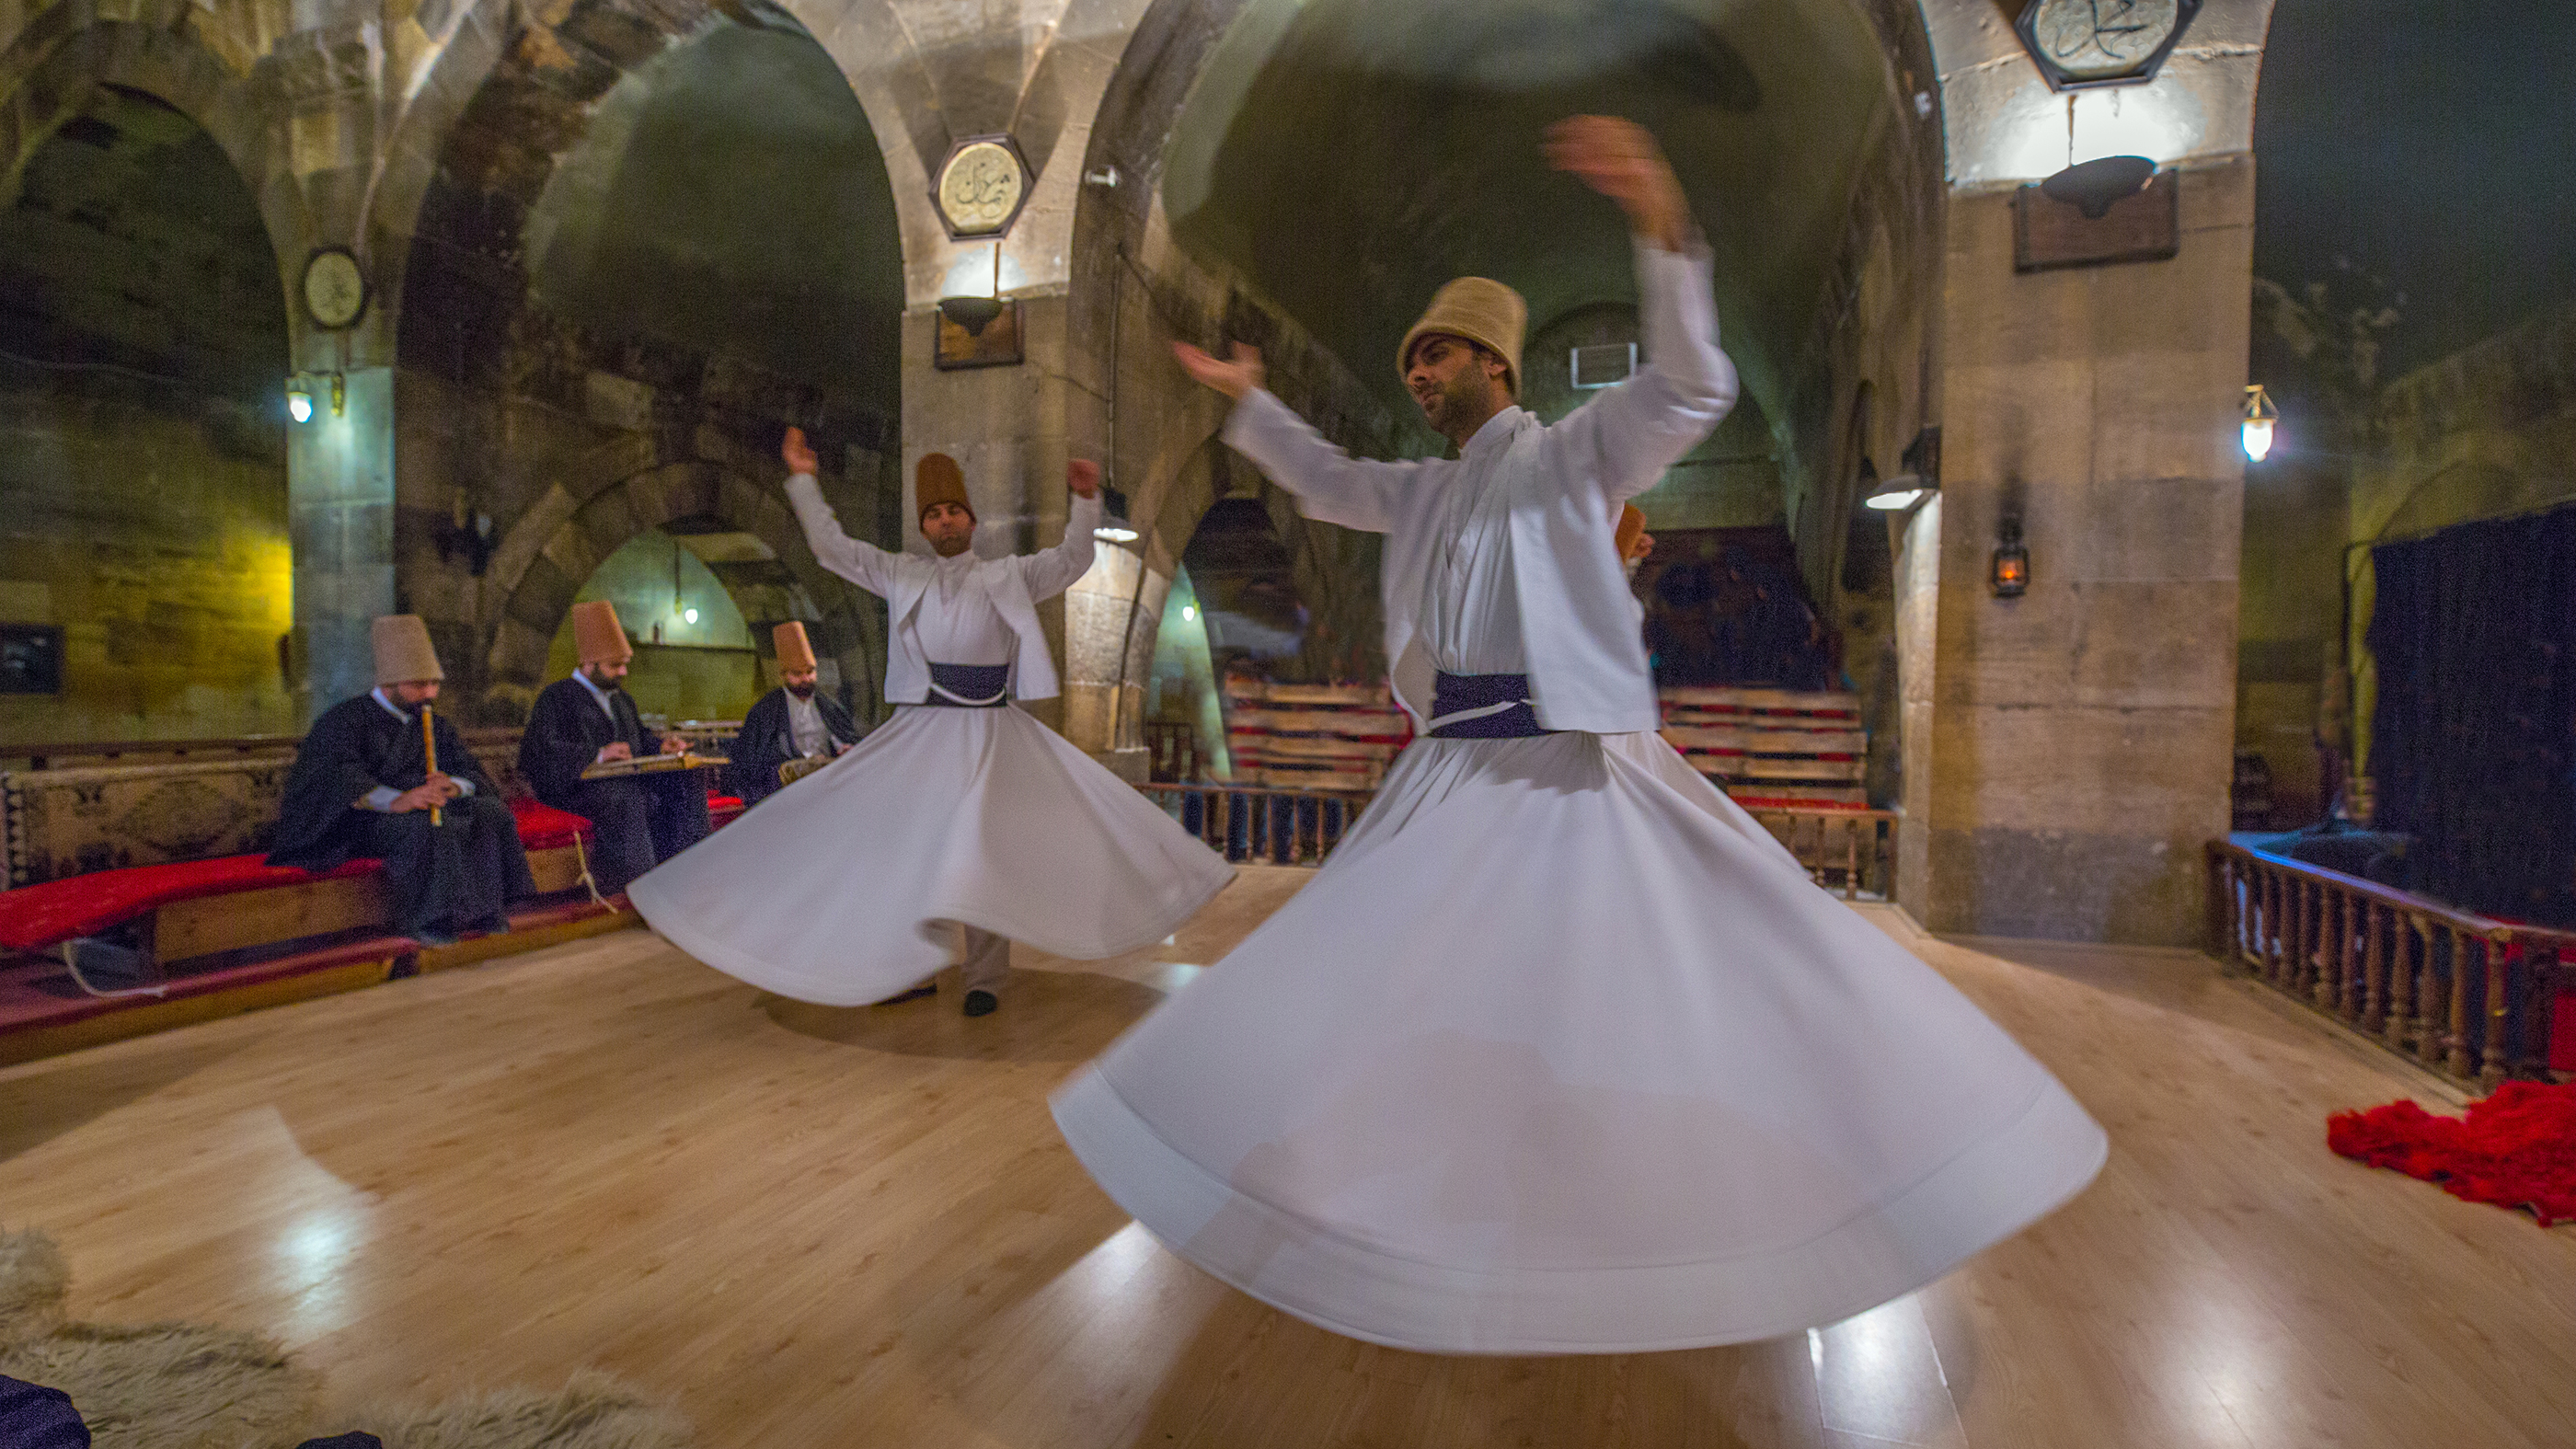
(158, 543)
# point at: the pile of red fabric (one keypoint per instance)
(2516, 1149)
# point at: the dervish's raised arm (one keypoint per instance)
(1328, 483)
(862, 563)
(1051, 571)
(1686, 384)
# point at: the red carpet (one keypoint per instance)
(2516, 1149)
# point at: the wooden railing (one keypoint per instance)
(1251, 823)
(1850, 850)
(2470, 997)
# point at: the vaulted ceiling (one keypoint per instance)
(1348, 156)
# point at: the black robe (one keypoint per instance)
(637, 821)
(460, 875)
(766, 742)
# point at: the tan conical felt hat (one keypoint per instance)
(596, 635)
(794, 652)
(1632, 526)
(1481, 310)
(937, 479)
(404, 654)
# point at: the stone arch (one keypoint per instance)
(610, 494)
(52, 64)
(865, 38)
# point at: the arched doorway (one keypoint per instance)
(622, 287)
(608, 519)
(145, 575)
(1329, 164)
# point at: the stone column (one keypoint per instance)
(340, 516)
(2069, 752)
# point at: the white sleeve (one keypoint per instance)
(1684, 388)
(1329, 484)
(1051, 571)
(864, 564)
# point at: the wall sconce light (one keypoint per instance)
(2092, 186)
(1918, 476)
(299, 396)
(1113, 526)
(2260, 418)
(977, 313)
(1189, 613)
(2012, 559)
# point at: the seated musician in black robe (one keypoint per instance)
(364, 786)
(638, 821)
(795, 721)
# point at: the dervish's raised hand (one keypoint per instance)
(1621, 160)
(1234, 378)
(1083, 476)
(798, 454)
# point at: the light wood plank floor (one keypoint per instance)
(818, 1227)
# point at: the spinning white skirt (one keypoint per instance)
(838, 889)
(1563, 1053)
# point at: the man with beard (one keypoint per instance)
(795, 721)
(1560, 1051)
(589, 719)
(365, 786)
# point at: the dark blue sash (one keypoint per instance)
(1453, 694)
(969, 686)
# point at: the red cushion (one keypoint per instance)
(37, 916)
(543, 827)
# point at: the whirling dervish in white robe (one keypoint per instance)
(1561, 1051)
(961, 817)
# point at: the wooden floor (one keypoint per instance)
(829, 1228)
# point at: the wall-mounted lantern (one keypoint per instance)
(299, 396)
(2260, 418)
(2012, 559)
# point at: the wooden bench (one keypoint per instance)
(172, 854)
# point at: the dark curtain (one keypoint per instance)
(2475, 734)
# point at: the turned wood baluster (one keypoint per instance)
(2531, 1049)
(2456, 1057)
(2374, 967)
(2402, 960)
(2334, 963)
(2285, 931)
(2496, 1053)
(2276, 925)
(2432, 997)
(2303, 921)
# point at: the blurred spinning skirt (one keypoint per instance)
(1562, 1053)
(838, 889)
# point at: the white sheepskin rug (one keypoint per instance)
(187, 1386)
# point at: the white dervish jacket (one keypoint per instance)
(1587, 663)
(1014, 585)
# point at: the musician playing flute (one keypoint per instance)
(383, 776)
(589, 719)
